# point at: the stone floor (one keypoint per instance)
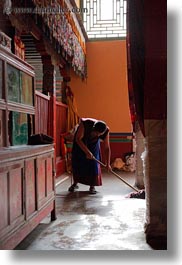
(107, 220)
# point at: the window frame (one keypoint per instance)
(95, 32)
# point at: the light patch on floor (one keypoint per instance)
(105, 221)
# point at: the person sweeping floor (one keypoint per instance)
(86, 147)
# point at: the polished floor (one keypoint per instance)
(107, 220)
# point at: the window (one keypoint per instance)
(26, 89)
(19, 86)
(20, 126)
(2, 131)
(13, 81)
(105, 18)
(16, 101)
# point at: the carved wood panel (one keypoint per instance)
(27, 191)
(41, 180)
(3, 200)
(16, 197)
(49, 172)
(11, 196)
(31, 191)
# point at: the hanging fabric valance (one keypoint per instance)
(58, 18)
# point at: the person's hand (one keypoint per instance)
(89, 155)
(108, 167)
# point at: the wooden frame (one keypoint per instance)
(5, 105)
(27, 173)
(27, 191)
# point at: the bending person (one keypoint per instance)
(86, 144)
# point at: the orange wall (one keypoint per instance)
(104, 94)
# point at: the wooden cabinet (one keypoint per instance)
(27, 191)
(27, 185)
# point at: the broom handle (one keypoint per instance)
(114, 173)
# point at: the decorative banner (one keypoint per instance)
(136, 61)
(57, 17)
(73, 117)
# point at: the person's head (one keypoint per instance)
(99, 127)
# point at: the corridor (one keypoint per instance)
(107, 220)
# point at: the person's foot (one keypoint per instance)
(92, 190)
(73, 187)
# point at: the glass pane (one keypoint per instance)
(2, 128)
(106, 9)
(26, 89)
(13, 82)
(18, 128)
(1, 79)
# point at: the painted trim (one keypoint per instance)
(126, 137)
(121, 134)
(120, 140)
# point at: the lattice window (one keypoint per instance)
(105, 18)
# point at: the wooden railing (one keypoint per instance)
(41, 126)
(41, 112)
(61, 125)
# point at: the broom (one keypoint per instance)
(114, 173)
